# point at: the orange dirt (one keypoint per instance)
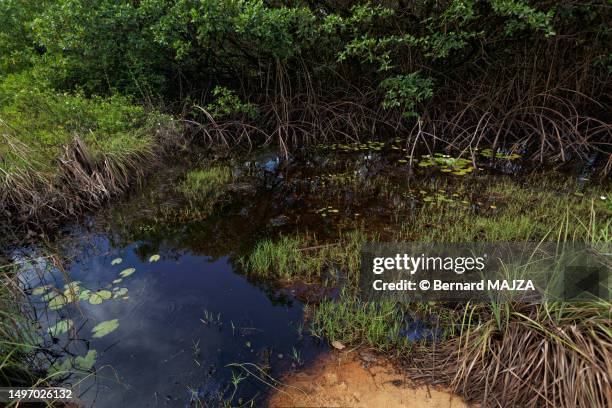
(357, 379)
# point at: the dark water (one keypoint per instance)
(184, 319)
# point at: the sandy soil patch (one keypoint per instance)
(357, 379)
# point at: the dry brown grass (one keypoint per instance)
(535, 356)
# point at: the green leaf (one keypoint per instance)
(40, 290)
(95, 299)
(154, 258)
(87, 362)
(58, 302)
(60, 327)
(127, 272)
(104, 328)
(49, 296)
(119, 292)
(116, 261)
(84, 294)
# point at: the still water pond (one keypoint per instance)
(173, 323)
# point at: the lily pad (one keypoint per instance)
(105, 294)
(154, 258)
(104, 328)
(116, 281)
(49, 296)
(127, 272)
(60, 327)
(119, 292)
(98, 297)
(116, 261)
(86, 362)
(40, 290)
(84, 294)
(58, 302)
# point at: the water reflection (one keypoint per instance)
(184, 319)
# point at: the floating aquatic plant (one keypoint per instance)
(116, 261)
(119, 292)
(40, 290)
(154, 258)
(86, 362)
(327, 210)
(499, 155)
(104, 328)
(98, 297)
(127, 272)
(60, 327)
(455, 165)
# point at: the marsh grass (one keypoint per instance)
(62, 153)
(20, 349)
(203, 188)
(293, 258)
(553, 354)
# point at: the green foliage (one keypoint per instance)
(227, 104)
(204, 188)
(406, 91)
(38, 122)
(171, 49)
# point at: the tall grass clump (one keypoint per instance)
(379, 326)
(61, 153)
(293, 258)
(204, 187)
(20, 362)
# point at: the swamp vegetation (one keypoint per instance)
(186, 185)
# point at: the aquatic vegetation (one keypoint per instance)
(294, 258)
(447, 164)
(499, 155)
(127, 272)
(350, 321)
(60, 327)
(325, 211)
(116, 261)
(68, 365)
(154, 258)
(104, 328)
(63, 153)
(203, 188)
(87, 361)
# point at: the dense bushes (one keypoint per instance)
(471, 71)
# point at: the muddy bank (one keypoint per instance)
(357, 379)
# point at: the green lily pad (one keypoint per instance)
(119, 292)
(60, 327)
(84, 294)
(127, 272)
(97, 297)
(116, 261)
(64, 366)
(58, 302)
(49, 296)
(104, 328)
(72, 285)
(116, 281)
(40, 290)
(86, 362)
(154, 258)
